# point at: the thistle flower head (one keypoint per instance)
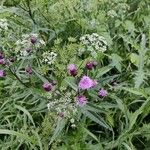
(2, 61)
(72, 69)
(91, 64)
(1, 55)
(62, 114)
(81, 100)
(2, 73)
(85, 83)
(47, 86)
(33, 39)
(102, 93)
(28, 70)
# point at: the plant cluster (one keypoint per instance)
(74, 75)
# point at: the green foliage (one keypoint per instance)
(118, 121)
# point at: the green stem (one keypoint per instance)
(17, 77)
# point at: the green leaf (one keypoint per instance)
(116, 61)
(39, 139)
(122, 107)
(134, 58)
(71, 82)
(141, 110)
(20, 135)
(94, 118)
(94, 108)
(127, 146)
(90, 134)
(140, 75)
(60, 126)
(103, 71)
(26, 112)
(129, 25)
(134, 91)
(110, 119)
(40, 76)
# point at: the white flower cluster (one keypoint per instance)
(3, 24)
(49, 57)
(72, 121)
(64, 104)
(122, 8)
(24, 44)
(95, 41)
(112, 13)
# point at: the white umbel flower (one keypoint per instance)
(112, 13)
(49, 57)
(24, 43)
(63, 104)
(97, 42)
(72, 120)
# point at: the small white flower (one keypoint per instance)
(72, 120)
(25, 42)
(33, 35)
(42, 42)
(73, 126)
(112, 13)
(95, 34)
(49, 57)
(95, 41)
(48, 106)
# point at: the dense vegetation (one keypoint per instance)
(74, 75)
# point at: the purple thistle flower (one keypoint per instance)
(102, 93)
(47, 87)
(33, 40)
(2, 73)
(28, 70)
(2, 61)
(81, 100)
(61, 114)
(85, 83)
(1, 55)
(72, 69)
(89, 65)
